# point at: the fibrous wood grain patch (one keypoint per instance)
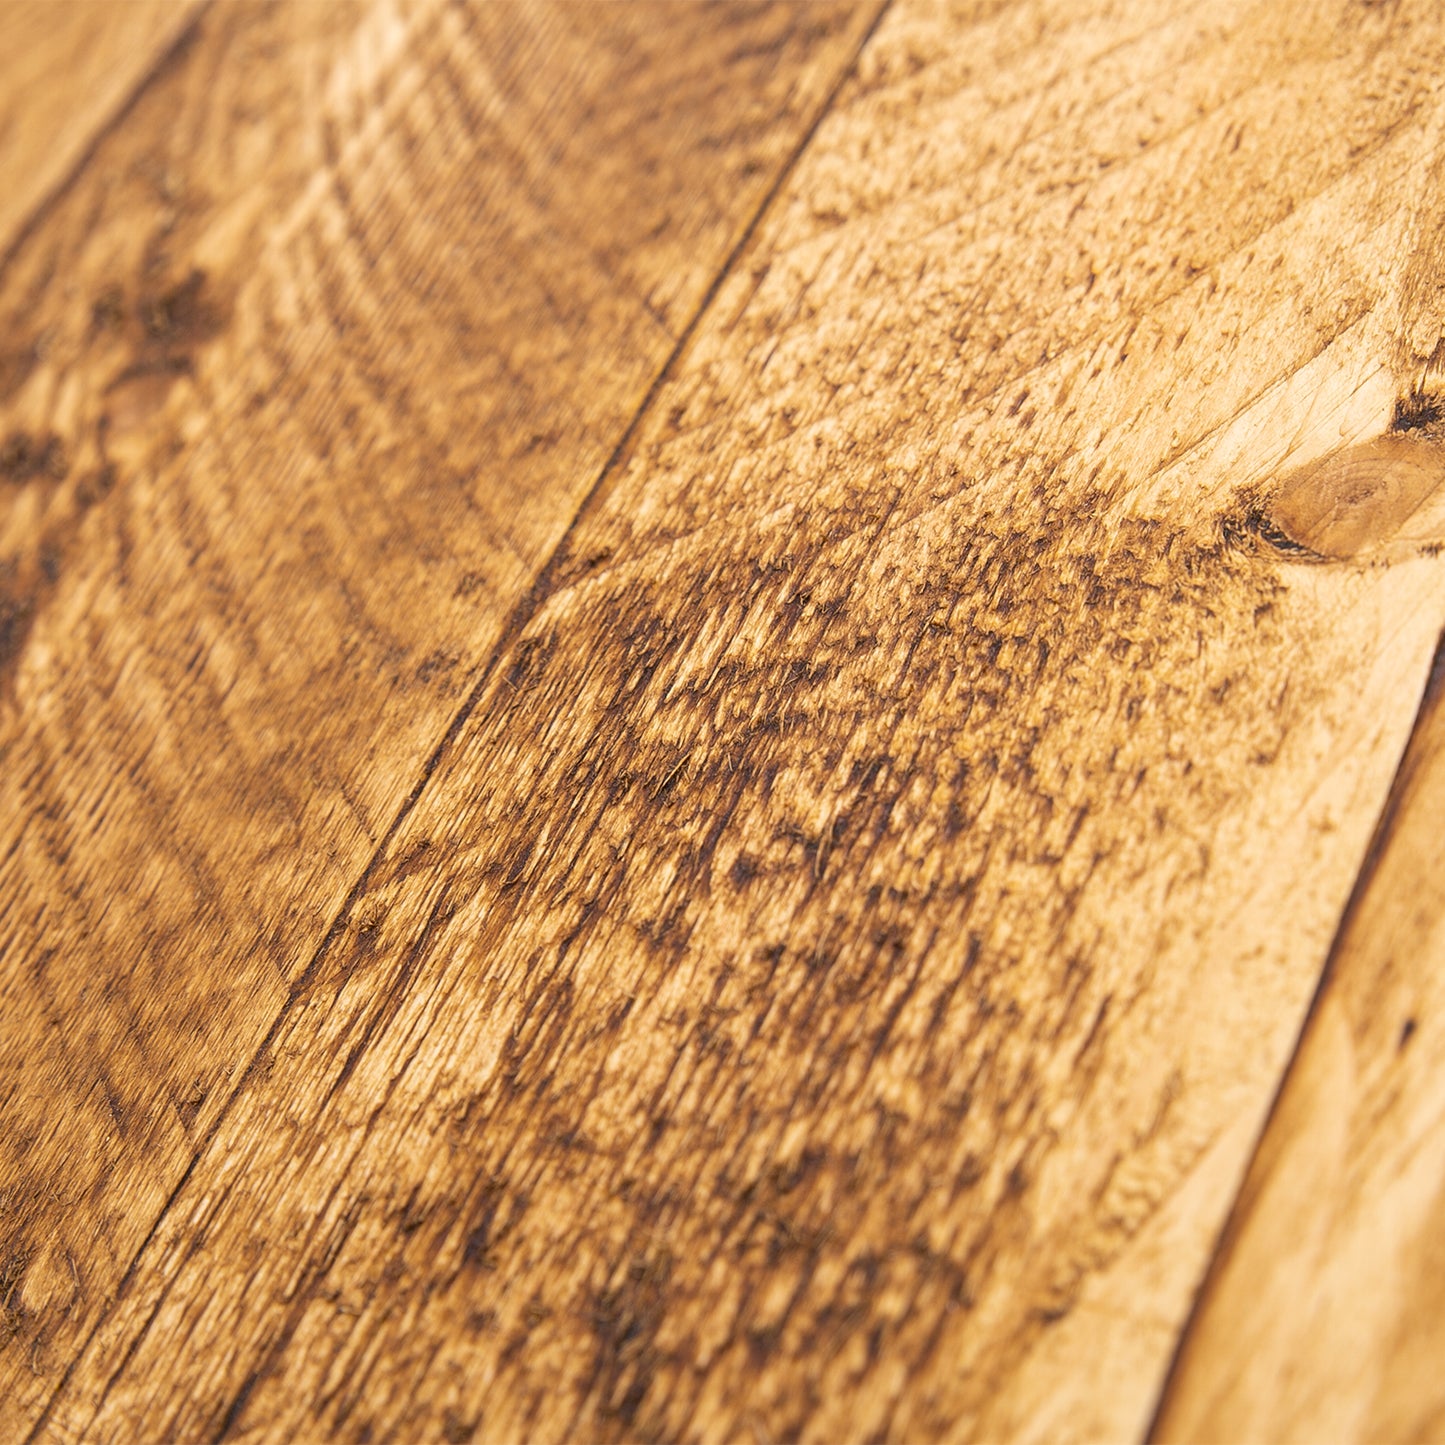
(301, 379)
(833, 978)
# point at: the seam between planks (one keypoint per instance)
(525, 610)
(107, 127)
(1432, 698)
(544, 586)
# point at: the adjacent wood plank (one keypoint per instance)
(307, 373)
(1324, 1315)
(832, 981)
(67, 69)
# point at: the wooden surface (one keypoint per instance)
(689, 697)
(70, 72)
(1324, 1314)
(339, 327)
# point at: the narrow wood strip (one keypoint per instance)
(312, 365)
(831, 983)
(1323, 1317)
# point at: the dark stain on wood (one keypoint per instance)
(784, 1034)
(23, 457)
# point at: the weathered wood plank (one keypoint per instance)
(307, 373)
(67, 68)
(833, 979)
(1324, 1315)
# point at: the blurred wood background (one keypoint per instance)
(701, 720)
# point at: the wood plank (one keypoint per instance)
(67, 70)
(1324, 1315)
(316, 359)
(833, 979)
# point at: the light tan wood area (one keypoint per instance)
(690, 696)
(67, 73)
(1324, 1317)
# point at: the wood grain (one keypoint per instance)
(67, 70)
(307, 371)
(832, 980)
(1362, 501)
(1324, 1316)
